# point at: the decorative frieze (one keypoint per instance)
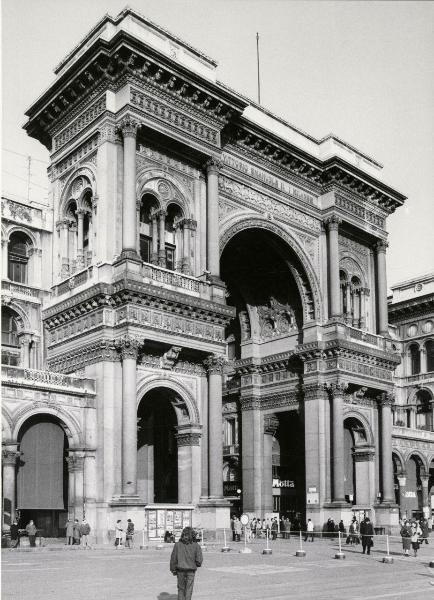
(18, 211)
(169, 115)
(314, 391)
(69, 362)
(83, 151)
(188, 438)
(151, 154)
(268, 205)
(288, 400)
(80, 123)
(359, 211)
(250, 403)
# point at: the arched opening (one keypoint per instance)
(173, 238)
(264, 284)
(18, 257)
(413, 488)
(157, 460)
(358, 457)
(424, 410)
(429, 349)
(343, 278)
(148, 229)
(398, 471)
(10, 343)
(414, 356)
(42, 481)
(356, 302)
(288, 468)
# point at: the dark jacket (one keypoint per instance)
(366, 529)
(185, 557)
(14, 531)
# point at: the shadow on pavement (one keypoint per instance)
(167, 596)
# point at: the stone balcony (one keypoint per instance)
(231, 450)
(410, 433)
(46, 380)
(21, 291)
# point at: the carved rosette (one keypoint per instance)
(128, 347)
(188, 438)
(213, 165)
(250, 403)
(271, 423)
(214, 364)
(128, 127)
(332, 223)
(314, 391)
(387, 399)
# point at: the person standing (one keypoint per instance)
(31, 532)
(425, 531)
(185, 559)
(84, 532)
(237, 529)
(69, 532)
(406, 533)
(274, 529)
(15, 535)
(76, 533)
(129, 535)
(309, 531)
(119, 534)
(367, 533)
(416, 534)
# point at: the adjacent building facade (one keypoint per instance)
(206, 324)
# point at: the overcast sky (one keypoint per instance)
(361, 70)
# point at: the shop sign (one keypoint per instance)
(283, 483)
(409, 494)
(230, 488)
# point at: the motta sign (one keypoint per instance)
(283, 483)
(409, 494)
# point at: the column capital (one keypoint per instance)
(314, 391)
(188, 438)
(381, 246)
(75, 461)
(80, 212)
(332, 223)
(271, 423)
(387, 399)
(214, 363)
(128, 346)
(364, 454)
(336, 389)
(188, 224)
(213, 165)
(9, 456)
(128, 127)
(161, 212)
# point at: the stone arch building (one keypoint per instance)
(216, 305)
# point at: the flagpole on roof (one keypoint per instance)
(257, 56)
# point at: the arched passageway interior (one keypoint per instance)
(413, 504)
(288, 466)
(42, 482)
(357, 463)
(263, 276)
(157, 460)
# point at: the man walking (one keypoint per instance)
(186, 558)
(309, 531)
(366, 532)
(84, 532)
(31, 532)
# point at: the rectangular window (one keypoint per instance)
(145, 248)
(17, 270)
(170, 257)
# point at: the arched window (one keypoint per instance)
(172, 239)
(148, 229)
(356, 301)
(18, 257)
(10, 344)
(429, 348)
(414, 354)
(344, 298)
(424, 417)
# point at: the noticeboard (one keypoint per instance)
(159, 519)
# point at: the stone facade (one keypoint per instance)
(216, 304)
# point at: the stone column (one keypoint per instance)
(214, 365)
(25, 355)
(364, 295)
(382, 319)
(363, 457)
(316, 438)
(154, 254)
(129, 129)
(9, 461)
(402, 482)
(80, 219)
(336, 391)
(213, 254)
(129, 347)
(386, 402)
(252, 452)
(332, 224)
(424, 480)
(423, 363)
(187, 469)
(271, 423)
(5, 273)
(189, 225)
(62, 227)
(75, 462)
(162, 240)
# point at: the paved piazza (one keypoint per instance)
(104, 574)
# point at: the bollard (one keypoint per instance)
(225, 547)
(431, 564)
(300, 551)
(267, 550)
(387, 559)
(340, 554)
(160, 544)
(245, 550)
(143, 540)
